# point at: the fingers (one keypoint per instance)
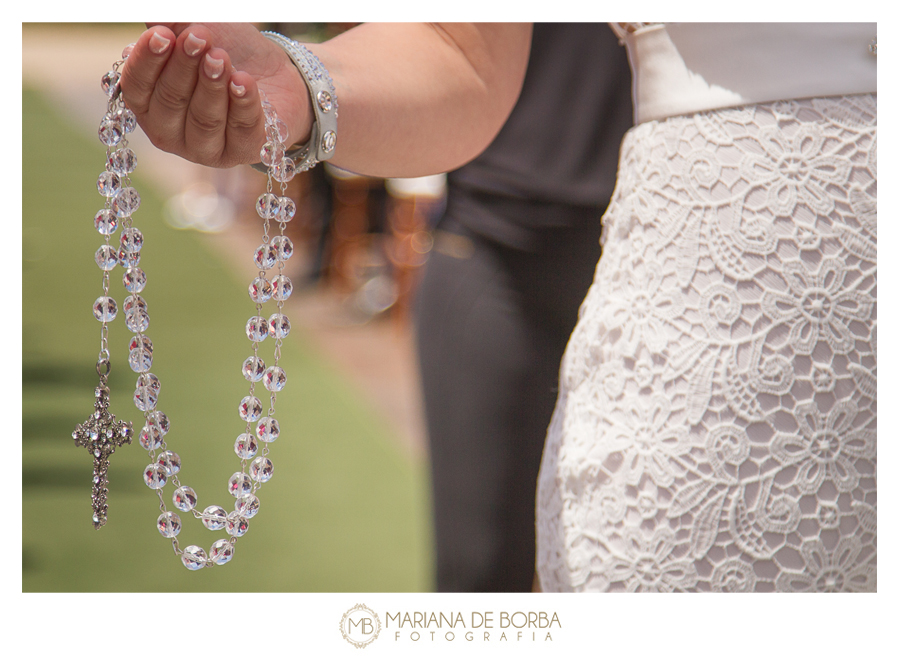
(207, 113)
(245, 126)
(142, 69)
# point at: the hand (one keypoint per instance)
(194, 89)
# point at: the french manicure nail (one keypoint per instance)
(159, 44)
(214, 67)
(193, 45)
(238, 90)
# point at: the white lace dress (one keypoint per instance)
(715, 428)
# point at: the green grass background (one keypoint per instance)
(345, 511)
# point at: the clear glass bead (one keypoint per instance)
(137, 321)
(140, 343)
(168, 524)
(261, 469)
(270, 153)
(129, 258)
(155, 476)
(267, 205)
(194, 558)
(260, 290)
(160, 421)
(284, 170)
(123, 161)
(108, 81)
(236, 525)
(131, 240)
(106, 258)
(286, 209)
(126, 202)
(257, 329)
(282, 288)
(110, 132)
(170, 461)
(145, 398)
(274, 379)
(250, 409)
(127, 51)
(134, 279)
(213, 517)
(105, 309)
(265, 257)
(279, 325)
(221, 552)
(268, 429)
(184, 499)
(108, 184)
(247, 506)
(140, 360)
(148, 379)
(134, 303)
(240, 484)
(284, 248)
(126, 119)
(245, 446)
(105, 221)
(150, 438)
(277, 130)
(253, 369)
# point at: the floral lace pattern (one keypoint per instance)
(715, 428)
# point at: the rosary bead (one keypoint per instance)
(134, 303)
(247, 506)
(123, 161)
(245, 446)
(168, 524)
(127, 50)
(261, 290)
(137, 321)
(106, 258)
(184, 499)
(108, 184)
(127, 120)
(105, 222)
(282, 288)
(150, 438)
(145, 398)
(134, 279)
(279, 325)
(105, 309)
(194, 558)
(268, 430)
(240, 484)
(213, 517)
(170, 461)
(265, 257)
(286, 209)
(148, 379)
(284, 248)
(284, 170)
(140, 360)
(274, 379)
(155, 476)
(108, 82)
(253, 369)
(221, 552)
(236, 525)
(160, 421)
(267, 205)
(277, 129)
(129, 258)
(110, 132)
(257, 329)
(271, 153)
(261, 469)
(131, 240)
(250, 409)
(140, 343)
(126, 201)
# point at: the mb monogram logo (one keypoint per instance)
(360, 626)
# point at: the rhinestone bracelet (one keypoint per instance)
(101, 434)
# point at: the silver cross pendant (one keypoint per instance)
(101, 434)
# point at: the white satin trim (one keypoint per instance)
(681, 68)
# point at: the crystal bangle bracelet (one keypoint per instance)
(101, 433)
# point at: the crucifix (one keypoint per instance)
(101, 434)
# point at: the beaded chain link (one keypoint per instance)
(101, 433)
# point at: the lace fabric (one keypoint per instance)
(715, 428)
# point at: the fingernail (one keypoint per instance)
(238, 90)
(214, 67)
(159, 44)
(193, 45)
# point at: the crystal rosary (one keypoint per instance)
(101, 434)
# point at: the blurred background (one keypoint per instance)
(348, 507)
